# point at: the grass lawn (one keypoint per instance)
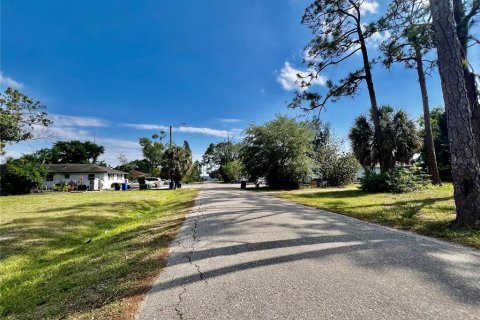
(84, 255)
(429, 211)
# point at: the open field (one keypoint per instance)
(84, 255)
(429, 211)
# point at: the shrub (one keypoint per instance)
(60, 187)
(341, 170)
(374, 182)
(278, 150)
(402, 180)
(19, 176)
(399, 180)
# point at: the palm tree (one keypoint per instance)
(398, 144)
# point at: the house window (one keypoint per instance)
(67, 175)
(49, 177)
(110, 176)
(91, 176)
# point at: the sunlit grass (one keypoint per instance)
(429, 211)
(84, 255)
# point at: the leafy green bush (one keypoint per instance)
(331, 162)
(374, 182)
(60, 187)
(402, 180)
(399, 180)
(340, 170)
(278, 150)
(19, 176)
(144, 186)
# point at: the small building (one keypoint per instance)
(93, 176)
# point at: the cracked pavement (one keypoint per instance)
(247, 255)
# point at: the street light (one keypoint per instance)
(171, 154)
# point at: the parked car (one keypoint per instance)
(154, 182)
(134, 185)
(260, 181)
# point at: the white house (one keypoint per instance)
(94, 176)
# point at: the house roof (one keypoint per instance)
(80, 168)
(136, 174)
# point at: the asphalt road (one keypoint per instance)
(247, 255)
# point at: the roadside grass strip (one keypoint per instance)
(430, 211)
(84, 255)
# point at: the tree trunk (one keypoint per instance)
(473, 96)
(431, 158)
(465, 165)
(375, 113)
(470, 82)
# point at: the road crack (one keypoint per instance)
(198, 213)
(180, 299)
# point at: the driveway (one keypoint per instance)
(247, 255)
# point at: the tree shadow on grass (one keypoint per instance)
(404, 213)
(82, 260)
(335, 194)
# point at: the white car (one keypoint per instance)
(154, 182)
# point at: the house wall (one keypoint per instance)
(107, 179)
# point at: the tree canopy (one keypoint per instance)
(278, 150)
(331, 162)
(73, 151)
(339, 33)
(176, 162)
(399, 143)
(19, 176)
(19, 116)
(220, 159)
(152, 150)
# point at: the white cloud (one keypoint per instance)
(9, 82)
(141, 126)
(205, 131)
(369, 6)
(288, 78)
(64, 133)
(185, 129)
(67, 121)
(377, 37)
(115, 147)
(229, 120)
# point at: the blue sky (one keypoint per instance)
(121, 70)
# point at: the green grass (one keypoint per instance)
(429, 211)
(84, 255)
